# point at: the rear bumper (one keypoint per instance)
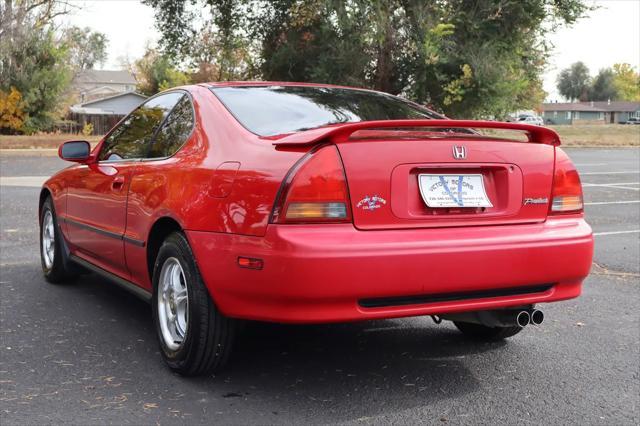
(331, 273)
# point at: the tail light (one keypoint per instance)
(315, 190)
(567, 189)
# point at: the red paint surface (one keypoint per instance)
(222, 185)
(317, 273)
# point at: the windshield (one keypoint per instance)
(276, 110)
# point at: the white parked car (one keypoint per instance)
(531, 119)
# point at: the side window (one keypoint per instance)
(131, 138)
(175, 130)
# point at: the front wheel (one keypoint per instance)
(51, 246)
(195, 337)
(483, 332)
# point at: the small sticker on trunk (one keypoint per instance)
(371, 203)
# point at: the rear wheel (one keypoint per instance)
(51, 247)
(195, 337)
(483, 332)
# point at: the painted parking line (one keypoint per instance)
(633, 231)
(617, 172)
(622, 185)
(602, 203)
(607, 184)
(28, 181)
(624, 163)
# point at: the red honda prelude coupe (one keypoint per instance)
(304, 203)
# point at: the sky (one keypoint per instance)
(128, 24)
(609, 35)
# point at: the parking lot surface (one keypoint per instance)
(86, 353)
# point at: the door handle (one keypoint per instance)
(118, 183)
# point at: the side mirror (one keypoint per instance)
(77, 151)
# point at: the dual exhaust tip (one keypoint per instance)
(499, 318)
(534, 317)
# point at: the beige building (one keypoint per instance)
(97, 84)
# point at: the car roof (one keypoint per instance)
(270, 83)
(214, 84)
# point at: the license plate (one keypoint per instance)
(441, 191)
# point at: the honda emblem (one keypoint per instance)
(459, 152)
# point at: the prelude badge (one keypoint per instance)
(528, 201)
(371, 203)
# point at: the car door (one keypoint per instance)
(97, 199)
(154, 182)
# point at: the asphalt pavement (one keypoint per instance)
(86, 353)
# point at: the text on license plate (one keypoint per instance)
(453, 190)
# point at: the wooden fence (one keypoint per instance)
(101, 123)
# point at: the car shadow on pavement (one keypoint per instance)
(351, 371)
(336, 372)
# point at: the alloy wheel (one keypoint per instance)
(173, 304)
(48, 239)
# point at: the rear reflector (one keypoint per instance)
(567, 189)
(250, 263)
(315, 190)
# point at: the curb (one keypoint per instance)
(33, 152)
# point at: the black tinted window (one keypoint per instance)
(132, 137)
(275, 110)
(174, 131)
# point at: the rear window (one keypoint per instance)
(275, 110)
(175, 131)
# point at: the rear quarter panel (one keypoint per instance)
(183, 187)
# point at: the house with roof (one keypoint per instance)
(605, 112)
(96, 84)
(104, 97)
(105, 112)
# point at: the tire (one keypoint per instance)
(200, 338)
(51, 247)
(484, 333)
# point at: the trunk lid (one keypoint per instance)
(383, 178)
(383, 161)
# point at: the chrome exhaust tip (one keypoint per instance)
(523, 319)
(537, 317)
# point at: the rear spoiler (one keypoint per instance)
(341, 132)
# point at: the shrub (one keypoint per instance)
(87, 129)
(12, 114)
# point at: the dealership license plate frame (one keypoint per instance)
(436, 194)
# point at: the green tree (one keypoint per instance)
(627, 82)
(208, 36)
(314, 41)
(467, 61)
(156, 72)
(39, 70)
(574, 82)
(32, 60)
(86, 48)
(603, 86)
(216, 57)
